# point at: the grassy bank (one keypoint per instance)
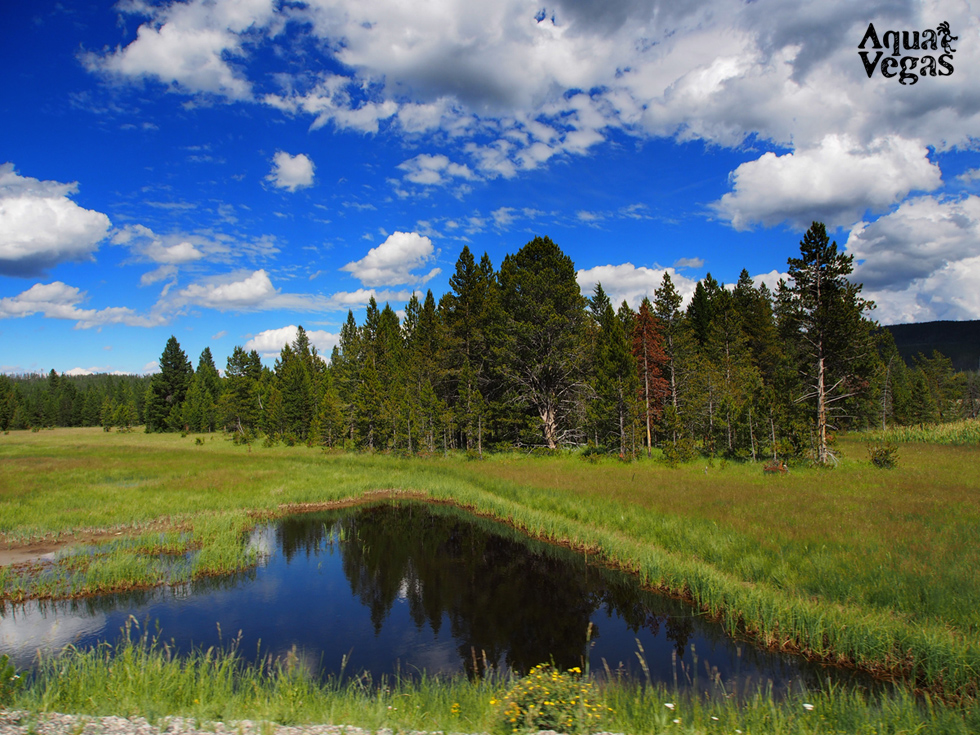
(871, 567)
(137, 677)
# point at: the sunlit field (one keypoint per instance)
(868, 567)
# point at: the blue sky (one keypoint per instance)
(224, 170)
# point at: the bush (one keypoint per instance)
(883, 456)
(547, 699)
(593, 452)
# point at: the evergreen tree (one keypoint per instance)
(540, 346)
(466, 313)
(614, 374)
(240, 404)
(824, 317)
(648, 351)
(701, 311)
(168, 389)
(8, 403)
(944, 385)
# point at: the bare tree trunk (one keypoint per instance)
(821, 413)
(549, 426)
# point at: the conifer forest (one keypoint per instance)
(517, 357)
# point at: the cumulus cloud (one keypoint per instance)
(951, 292)
(291, 172)
(40, 226)
(392, 262)
(58, 300)
(504, 87)
(270, 342)
(236, 292)
(245, 291)
(522, 84)
(75, 371)
(170, 250)
(921, 261)
(922, 236)
(835, 182)
(189, 46)
(631, 283)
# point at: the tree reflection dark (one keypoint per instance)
(507, 600)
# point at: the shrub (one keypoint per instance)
(547, 699)
(884, 456)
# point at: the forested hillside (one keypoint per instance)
(516, 356)
(959, 341)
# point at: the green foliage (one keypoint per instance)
(548, 699)
(822, 319)
(168, 388)
(10, 681)
(883, 456)
(539, 345)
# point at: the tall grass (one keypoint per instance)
(139, 676)
(955, 433)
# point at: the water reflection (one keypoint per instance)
(413, 587)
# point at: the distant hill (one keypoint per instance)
(959, 341)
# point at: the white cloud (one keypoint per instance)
(94, 371)
(392, 262)
(921, 237)
(834, 182)
(630, 283)
(40, 226)
(291, 172)
(921, 262)
(434, 170)
(770, 279)
(514, 87)
(245, 291)
(689, 263)
(503, 217)
(950, 292)
(188, 46)
(58, 300)
(270, 342)
(361, 297)
(158, 274)
(181, 248)
(234, 292)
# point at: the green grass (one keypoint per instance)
(139, 676)
(874, 568)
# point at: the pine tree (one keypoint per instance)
(648, 351)
(239, 405)
(824, 317)
(540, 346)
(168, 389)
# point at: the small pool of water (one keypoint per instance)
(408, 587)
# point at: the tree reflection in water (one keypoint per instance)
(508, 601)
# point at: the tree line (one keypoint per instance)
(517, 356)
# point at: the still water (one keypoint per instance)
(409, 588)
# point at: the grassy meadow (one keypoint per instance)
(867, 567)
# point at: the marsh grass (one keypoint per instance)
(955, 433)
(139, 675)
(872, 569)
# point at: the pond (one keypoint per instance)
(408, 587)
